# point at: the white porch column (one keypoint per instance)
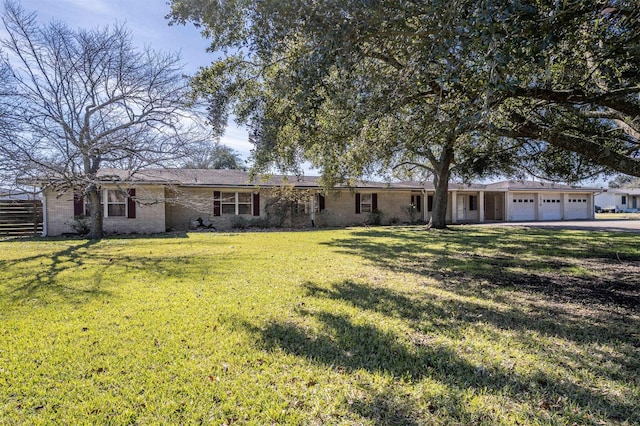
(481, 206)
(424, 205)
(507, 207)
(454, 206)
(312, 205)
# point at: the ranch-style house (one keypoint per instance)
(160, 200)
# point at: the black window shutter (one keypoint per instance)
(216, 203)
(429, 203)
(78, 204)
(418, 203)
(320, 202)
(131, 203)
(357, 203)
(374, 202)
(256, 204)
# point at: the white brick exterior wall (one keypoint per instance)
(161, 208)
(186, 205)
(150, 213)
(58, 212)
(340, 207)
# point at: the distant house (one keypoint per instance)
(159, 200)
(618, 200)
(11, 194)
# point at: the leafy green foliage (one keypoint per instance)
(286, 204)
(461, 89)
(475, 325)
(375, 217)
(209, 155)
(624, 181)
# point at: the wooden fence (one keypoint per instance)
(20, 217)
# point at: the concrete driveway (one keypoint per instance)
(592, 225)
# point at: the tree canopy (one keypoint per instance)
(624, 181)
(85, 100)
(208, 155)
(568, 74)
(468, 87)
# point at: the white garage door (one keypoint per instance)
(577, 207)
(551, 207)
(523, 207)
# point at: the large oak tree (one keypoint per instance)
(460, 87)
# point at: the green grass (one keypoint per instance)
(618, 216)
(363, 326)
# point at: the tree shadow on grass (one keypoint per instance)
(348, 347)
(535, 260)
(31, 281)
(342, 343)
(109, 236)
(79, 270)
(448, 312)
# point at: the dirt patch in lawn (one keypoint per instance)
(591, 281)
(610, 285)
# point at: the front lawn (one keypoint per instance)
(618, 216)
(362, 326)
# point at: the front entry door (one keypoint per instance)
(462, 207)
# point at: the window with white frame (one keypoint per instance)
(366, 203)
(244, 203)
(236, 203)
(308, 205)
(228, 203)
(116, 203)
(113, 203)
(300, 207)
(87, 204)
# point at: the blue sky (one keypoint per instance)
(146, 21)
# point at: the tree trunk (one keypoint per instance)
(440, 198)
(441, 182)
(95, 218)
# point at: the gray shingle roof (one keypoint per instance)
(528, 185)
(240, 178)
(230, 178)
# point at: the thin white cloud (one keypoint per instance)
(89, 7)
(238, 139)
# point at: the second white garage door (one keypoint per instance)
(523, 207)
(551, 208)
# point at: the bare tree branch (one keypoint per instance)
(88, 99)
